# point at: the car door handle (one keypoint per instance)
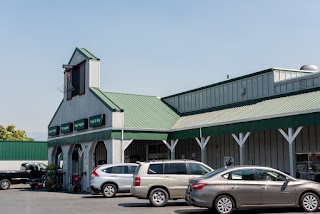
(234, 187)
(265, 187)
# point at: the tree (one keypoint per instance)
(10, 133)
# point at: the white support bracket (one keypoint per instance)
(203, 143)
(240, 141)
(171, 147)
(290, 137)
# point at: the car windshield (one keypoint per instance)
(213, 173)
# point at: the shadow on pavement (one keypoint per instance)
(101, 196)
(191, 211)
(169, 204)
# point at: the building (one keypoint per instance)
(269, 118)
(14, 153)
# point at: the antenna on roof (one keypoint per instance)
(69, 86)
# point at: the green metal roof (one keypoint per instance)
(273, 108)
(105, 99)
(140, 111)
(87, 53)
(23, 150)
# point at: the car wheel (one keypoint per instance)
(158, 197)
(4, 184)
(224, 204)
(309, 202)
(109, 190)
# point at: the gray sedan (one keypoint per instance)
(244, 187)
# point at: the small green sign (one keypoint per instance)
(53, 131)
(66, 128)
(97, 120)
(80, 124)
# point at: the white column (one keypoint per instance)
(88, 164)
(124, 146)
(241, 140)
(290, 137)
(171, 147)
(67, 164)
(51, 156)
(203, 143)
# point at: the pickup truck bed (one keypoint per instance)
(28, 171)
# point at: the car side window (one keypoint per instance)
(270, 175)
(133, 169)
(155, 169)
(175, 168)
(120, 170)
(117, 170)
(198, 169)
(246, 174)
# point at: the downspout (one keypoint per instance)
(121, 145)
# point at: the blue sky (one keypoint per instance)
(146, 47)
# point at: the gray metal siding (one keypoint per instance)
(254, 87)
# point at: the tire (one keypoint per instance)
(224, 204)
(158, 197)
(309, 202)
(109, 190)
(5, 184)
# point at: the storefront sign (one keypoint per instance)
(80, 124)
(53, 131)
(97, 120)
(67, 127)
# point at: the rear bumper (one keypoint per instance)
(95, 191)
(139, 192)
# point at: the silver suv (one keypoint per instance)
(161, 180)
(109, 179)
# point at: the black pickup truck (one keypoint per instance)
(27, 173)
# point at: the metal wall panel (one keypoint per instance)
(254, 87)
(23, 150)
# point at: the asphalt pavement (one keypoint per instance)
(23, 200)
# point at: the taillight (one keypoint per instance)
(137, 181)
(94, 173)
(198, 186)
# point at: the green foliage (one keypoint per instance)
(53, 181)
(10, 133)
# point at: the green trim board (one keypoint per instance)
(139, 135)
(83, 138)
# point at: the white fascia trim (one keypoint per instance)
(81, 133)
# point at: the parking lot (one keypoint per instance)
(21, 199)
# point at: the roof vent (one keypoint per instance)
(309, 68)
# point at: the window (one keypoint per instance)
(175, 168)
(76, 80)
(247, 174)
(155, 169)
(269, 175)
(133, 169)
(117, 170)
(198, 169)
